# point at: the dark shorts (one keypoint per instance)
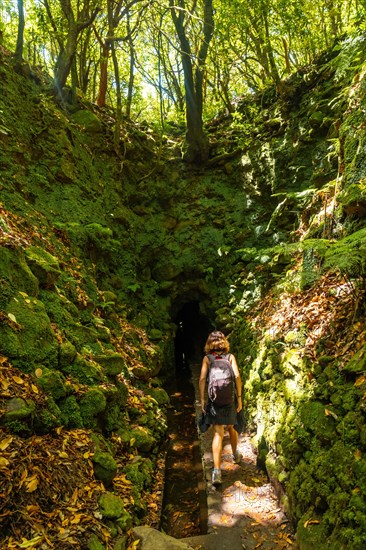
(224, 415)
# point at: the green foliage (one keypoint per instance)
(348, 255)
(350, 57)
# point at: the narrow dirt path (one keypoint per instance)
(244, 512)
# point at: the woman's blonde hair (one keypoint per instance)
(217, 341)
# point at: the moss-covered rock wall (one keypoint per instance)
(300, 345)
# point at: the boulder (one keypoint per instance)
(15, 274)
(88, 120)
(17, 409)
(152, 539)
(27, 335)
(143, 438)
(43, 265)
(105, 467)
(112, 363)
(111, 506)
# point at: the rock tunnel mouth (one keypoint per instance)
(193, 327)
(184, 509)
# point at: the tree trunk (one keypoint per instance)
(103, 79)
(131, 80)
(67, 53)
(20, 37)
(196, 146)
(65, 59)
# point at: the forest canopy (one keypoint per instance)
(170, 61)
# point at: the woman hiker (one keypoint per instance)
(217, 347)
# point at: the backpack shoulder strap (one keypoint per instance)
(210, 358)
(228, 358)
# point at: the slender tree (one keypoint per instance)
(197, 148)
(76, 22)
(20, 35)
(116, 11)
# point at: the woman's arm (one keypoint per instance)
(202, 382)
(237, 382)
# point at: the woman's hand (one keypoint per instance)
(203, 407)
(239, 407)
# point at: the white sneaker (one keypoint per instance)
(216, 477)
(237, 457)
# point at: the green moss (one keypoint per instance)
(15, 274)
(353, 194)
(85, 371)
(48, 418)
(95, 544)
(357, 364)
(91, 405)
(7, 290)
(143, 438)
(105, 467)
(66, 355)
(323, 486)
(70, 413)
(139, 502)
(315, 420)
(88, 120)
(57, 308)
(112, 363)
(124, 436)
(312, 535)
(111, 506)
(122, 393)
(18, 409)
(43, 265)
(140, 473)
(18, 427)
(84, 337)
(159, 394)
(29, 340)
(112, 418)
(52, 382)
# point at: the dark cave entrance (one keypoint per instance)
(193, 328)
(184, 511)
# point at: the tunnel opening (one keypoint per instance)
(184, 511)
(192, 330)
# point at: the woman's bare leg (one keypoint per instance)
(217, 445)
(233, 438)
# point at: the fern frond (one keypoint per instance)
(348, 255)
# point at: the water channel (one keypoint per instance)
(184, 504)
